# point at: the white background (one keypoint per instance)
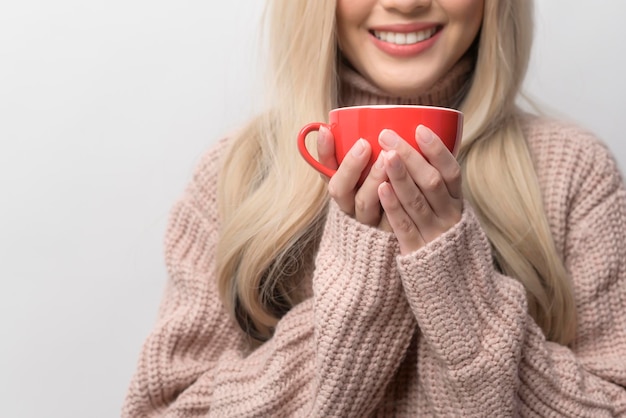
(105, 108)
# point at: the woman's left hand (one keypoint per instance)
(423, 198)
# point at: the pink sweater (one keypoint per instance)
(354, 348)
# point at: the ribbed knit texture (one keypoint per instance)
(354, 349)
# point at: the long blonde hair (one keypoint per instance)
(272, 205)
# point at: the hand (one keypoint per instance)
(362, 202)
(423, 198)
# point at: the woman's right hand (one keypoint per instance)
(360, 202)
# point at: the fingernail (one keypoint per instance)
(323, 135)
(358, 148)
(384, 189)
(388, 138)
(393, 159)
(424, 134)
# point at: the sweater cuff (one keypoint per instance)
(456, 293)
(363, 323)
(356, 259)
(351, 241)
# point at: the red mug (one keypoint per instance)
(349, 124)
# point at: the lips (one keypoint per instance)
(404, 38)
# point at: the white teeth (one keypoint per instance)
(405, 38)
(412, 38)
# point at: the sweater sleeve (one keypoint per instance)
(481, 354)
(331, 355)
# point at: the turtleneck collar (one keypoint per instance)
(355, 90)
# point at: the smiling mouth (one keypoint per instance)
(410, 38)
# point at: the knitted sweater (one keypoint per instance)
(439, 332)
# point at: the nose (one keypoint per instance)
(405, 6)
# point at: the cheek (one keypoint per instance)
(471, 12)
(468, 12)
(466, 18)
(342, 16)
(351, 15)
(346, 11)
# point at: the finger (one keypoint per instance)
(366, 202)
(427, 178)
(326, 149)
(384, 225)
(409, 195)
(438, 155)
(403, 227)
(342, 185)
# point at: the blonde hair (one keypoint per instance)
(273, 205)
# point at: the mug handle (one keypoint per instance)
(307, 129)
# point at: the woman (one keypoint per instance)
(491, 286)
